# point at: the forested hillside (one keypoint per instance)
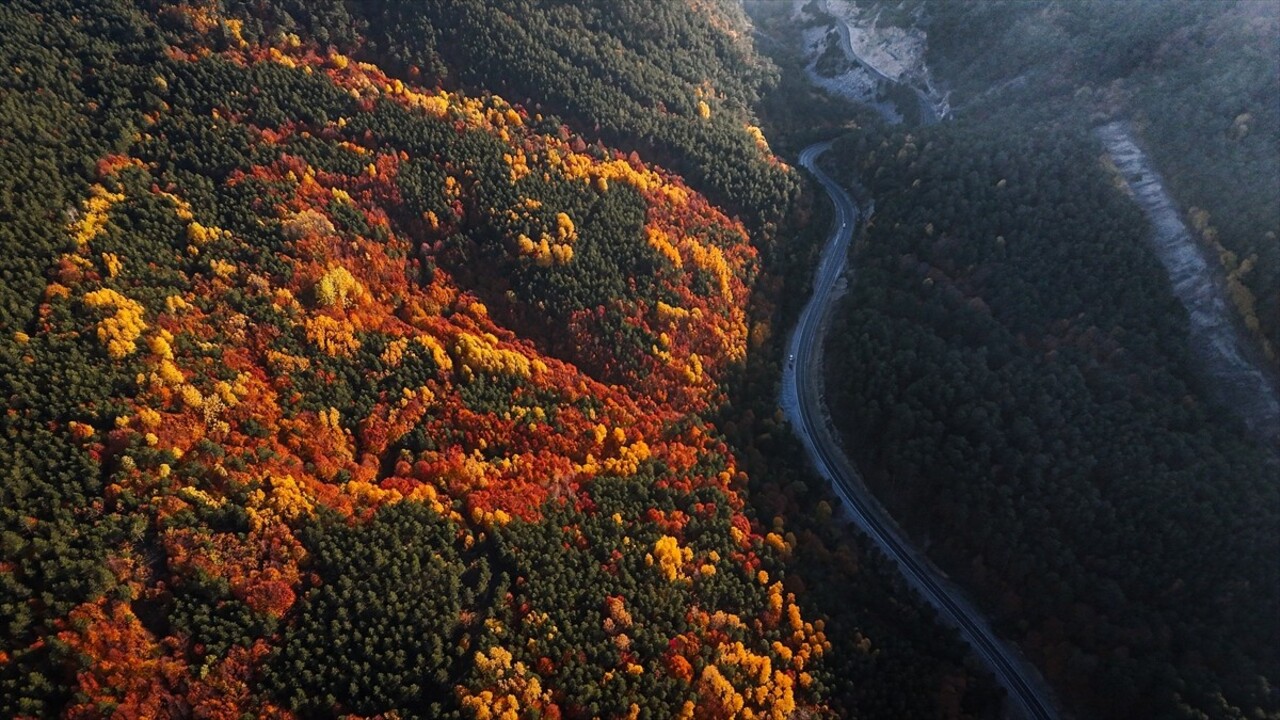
(673, 80)
(1011, 371)
(336, 385)
(1200, 80)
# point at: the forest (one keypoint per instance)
(674, 81)
(1011, 371)
(1199, 81)
(355, 369)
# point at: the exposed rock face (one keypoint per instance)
(853, 54)
(1224, 353)
(894, 52)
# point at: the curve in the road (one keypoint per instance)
(802, 402)
(932, 108)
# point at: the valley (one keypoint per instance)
(699, 359)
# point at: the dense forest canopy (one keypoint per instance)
(1013, 371)
(1018, 393)
(1199, 80)
(673, 80)
(418, 358)
(337, 384)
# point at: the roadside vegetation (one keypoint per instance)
(1011, 368)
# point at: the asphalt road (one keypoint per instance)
(931, 110)
(802, 401)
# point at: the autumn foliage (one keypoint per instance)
(384, 298)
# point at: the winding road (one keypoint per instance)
(932, 107)
(802, 402)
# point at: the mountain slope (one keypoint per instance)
(1200, 81)
(1027, 405)
(329, 392)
